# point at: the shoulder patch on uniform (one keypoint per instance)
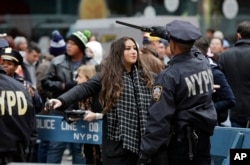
(157, 91)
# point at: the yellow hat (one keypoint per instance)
(147, 38)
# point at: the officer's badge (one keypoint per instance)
(157, 91)
(8, 50)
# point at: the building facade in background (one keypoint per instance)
(35, 18)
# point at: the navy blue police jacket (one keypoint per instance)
(17, 114)
(182, 95)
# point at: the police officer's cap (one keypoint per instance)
(11, 55)
(183, 31)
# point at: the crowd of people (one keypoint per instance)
(159, 102)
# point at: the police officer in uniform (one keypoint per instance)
(10, 60)
(17, 118)
(182, 116)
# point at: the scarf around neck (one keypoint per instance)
(127, 119)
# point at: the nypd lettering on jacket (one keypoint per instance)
(199, 83)
(12, 100)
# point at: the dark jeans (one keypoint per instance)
(114, 154)
(56, 150)
(42, 151)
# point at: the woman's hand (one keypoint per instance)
(89, 116)
(52, 104)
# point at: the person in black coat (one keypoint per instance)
(58, 79)
(17, 120)
(235, 64)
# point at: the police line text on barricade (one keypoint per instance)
(54, 128)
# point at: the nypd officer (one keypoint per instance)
(182, 116)
(10, 60)
(16, 119)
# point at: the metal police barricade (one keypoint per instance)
(224, 140)
(54, 128)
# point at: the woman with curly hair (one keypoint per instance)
(124, 87)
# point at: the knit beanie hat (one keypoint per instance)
(97, 50)
(80, 39)
(87, 33)
(57, 44)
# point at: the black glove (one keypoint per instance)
(143, 160)
(159, 31)
(70, 85)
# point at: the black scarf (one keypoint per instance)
(127, 119)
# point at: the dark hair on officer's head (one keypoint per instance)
(244, 29)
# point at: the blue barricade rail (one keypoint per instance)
(226, 138)
(53, 128)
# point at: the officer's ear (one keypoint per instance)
(173, 46)
(170, 48)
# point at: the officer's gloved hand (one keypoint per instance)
(159, 31)
(143, 160)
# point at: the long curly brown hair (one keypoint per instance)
(112, 72)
